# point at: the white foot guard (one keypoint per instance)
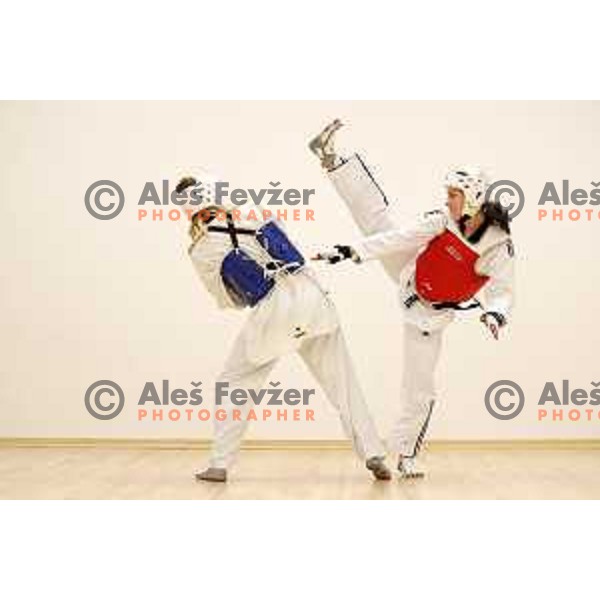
(408, 469)
(377, 466)
(212, 474)
(322, 146)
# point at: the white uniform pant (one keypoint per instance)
(326, 355)
(371, 212)
(417, 396)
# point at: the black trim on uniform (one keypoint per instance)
(476, 236)
(364, 166)
(421, 436)
(510, 248)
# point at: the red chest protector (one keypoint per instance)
(446, 270)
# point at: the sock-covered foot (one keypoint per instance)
(322, 146)
(377, 466)
(212, 474)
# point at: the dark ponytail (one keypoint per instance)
(496, 214)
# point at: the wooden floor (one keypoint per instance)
(103, 473)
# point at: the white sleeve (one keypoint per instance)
(402, 239)
(498, 265)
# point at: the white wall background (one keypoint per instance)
(84, 299)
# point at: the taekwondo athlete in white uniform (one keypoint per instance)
(246, 265)
(441, 262)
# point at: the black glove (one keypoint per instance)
(338, 254)
(493, 321)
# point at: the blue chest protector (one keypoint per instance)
(247, 281)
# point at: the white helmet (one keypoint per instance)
(473, 183)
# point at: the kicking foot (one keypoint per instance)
(408, 469)
(322, 146)
(377, 466)
(212, 474)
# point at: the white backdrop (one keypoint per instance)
(85, 299)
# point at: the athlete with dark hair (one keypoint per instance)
(456, 258)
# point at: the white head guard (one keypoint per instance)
(473, 183)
